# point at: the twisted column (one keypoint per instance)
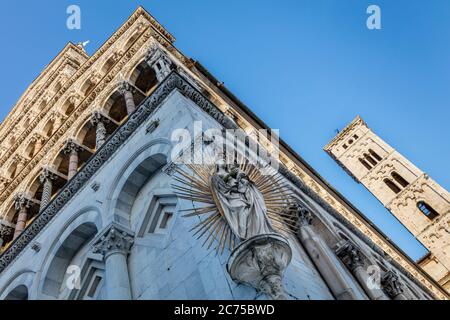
(393, 286)
(354, 260)
(114, 245)
(98, 120)
(127, 90)
(46, 178)
(22, 203)
(72, 149)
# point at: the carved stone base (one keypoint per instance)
(260, 262)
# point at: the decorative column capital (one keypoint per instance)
(37, 137)
(18, 159)
(74, 98)
(392, 284)
(97, 117)
(350, 254)
(125, 86)
(114, 240)
(22, 200)
(71, 146)
(47, 175)
(303, 215)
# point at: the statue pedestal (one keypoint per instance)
(260, 262)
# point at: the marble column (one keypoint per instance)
(22, 205)
(393, 286)
(115, 245)
(46, 178)
(127, 90)
(336, 277)
(99, 121)
(72, 149)
(354, 260)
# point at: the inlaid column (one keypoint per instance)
(98, 121)
(72, 149)
(6, 232)
(46, 178)
(336, 277)
(393, 286)
(354, 260)
(127, 90)
(22, 204)
(114, 245)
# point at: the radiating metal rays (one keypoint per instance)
(193, 184)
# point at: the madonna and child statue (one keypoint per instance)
(246, 214)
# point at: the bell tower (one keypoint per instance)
(416, 200)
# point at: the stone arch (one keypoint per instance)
(109, 63)
(144, 77)
(146, 162)
(76, 235)
(19, 286)
(49, 128)
(86, 134)
(130, 41)
(115, 106)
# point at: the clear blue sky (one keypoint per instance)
(305, 67)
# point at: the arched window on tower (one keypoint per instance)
(375, 155)
(427, 210)
(400, 179)
(370, 159)
(365, 164)
(392, 186)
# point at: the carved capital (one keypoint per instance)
(350, 254)
(71, 146)
(47, 175)
(114, 240)
(37, 137)
(391, 284)
(22, 200)
(97, 117)
(302, 214)
(125, 87)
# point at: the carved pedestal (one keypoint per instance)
(260, 262)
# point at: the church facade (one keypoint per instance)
(94, 204)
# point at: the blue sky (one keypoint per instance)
(305, 67)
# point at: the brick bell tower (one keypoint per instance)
(416, 200)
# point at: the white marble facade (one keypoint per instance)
(111, 231)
